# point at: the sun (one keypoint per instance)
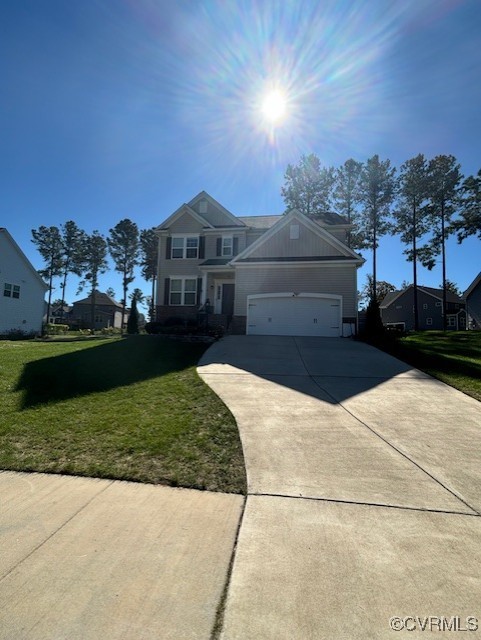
(274, 107)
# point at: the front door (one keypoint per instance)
(227, 307)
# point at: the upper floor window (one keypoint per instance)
(185, 247)
(11, 290)
(227, 246)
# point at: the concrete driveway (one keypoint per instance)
(364, 480)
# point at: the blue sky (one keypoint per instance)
(113, 109)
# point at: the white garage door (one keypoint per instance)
(288, 314)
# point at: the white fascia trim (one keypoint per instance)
(315, 228)
(184, 235)
(216, 267)
(224, 230)
(473, 285)
(203, 195)
(327, 263)
(24, 258)
(180, 212)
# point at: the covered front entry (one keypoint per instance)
(290, 314)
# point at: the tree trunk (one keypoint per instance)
(415, 274)
(445, 320)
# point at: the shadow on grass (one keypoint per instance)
(102, 367)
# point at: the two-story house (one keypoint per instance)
(108, 313)
(22, 290)
(397, 309)
(268, 275)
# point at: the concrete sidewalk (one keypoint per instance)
(364, 481)
(85, 559)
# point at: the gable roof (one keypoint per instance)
(473, 285)
(260, 222)
(183, 209)
(283, 221)
(436, 293)
(23, 257)
(203, 195)
(100, 298)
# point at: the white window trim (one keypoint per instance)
(182, 291)
(429, 322)
(451, 321)
(184, 237)
(13, 288)
(231, 253)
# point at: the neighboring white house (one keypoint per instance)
(22, 290)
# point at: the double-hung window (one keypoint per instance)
(185, 247)
(227, 246)
(183, 291)
(11, 290)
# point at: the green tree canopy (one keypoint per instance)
(308, 186)
(123, 243)
(48, 241)
(469, 223)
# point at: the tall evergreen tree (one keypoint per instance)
(308, 186)
(73, 239)
(377, 187)
(49, 244)
(445, 177)
(411, 214)
(469, 223)
(94, 263)
(149, 243)
(123, 244)
(346, 197)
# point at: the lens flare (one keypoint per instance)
(274, 107)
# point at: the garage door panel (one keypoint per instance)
(295, 316)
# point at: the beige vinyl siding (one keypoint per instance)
(186, 224)
(308, 244)
(338, 280)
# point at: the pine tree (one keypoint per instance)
(49, 244)
(444, 185)
(94, 262)
(123, 244)
(149, 243)
(469, 223)
(346, 197)
(376, 194)
(411, 215)
(73, 239)
(308, 187)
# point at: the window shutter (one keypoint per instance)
(168, 250)
(166, 291)
(219, 247)
(235, 248)
(199, 290)
(201, 247)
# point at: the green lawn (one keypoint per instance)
(131, 409)
(453, 357)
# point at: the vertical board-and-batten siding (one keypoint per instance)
(308, 244)
(337, 280)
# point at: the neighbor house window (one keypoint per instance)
(429, 321)
(11, 290)
(451, 321)
(227, 246)
(185, 247)
(425, 306)
(438, 304)
(183, 291)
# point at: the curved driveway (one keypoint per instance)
(364, 490)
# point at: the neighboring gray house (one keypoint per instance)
(397, 309)
(108, 312)
(22, 290)
(269, 275)
(472, 296)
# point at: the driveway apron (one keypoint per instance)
(364, 483)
